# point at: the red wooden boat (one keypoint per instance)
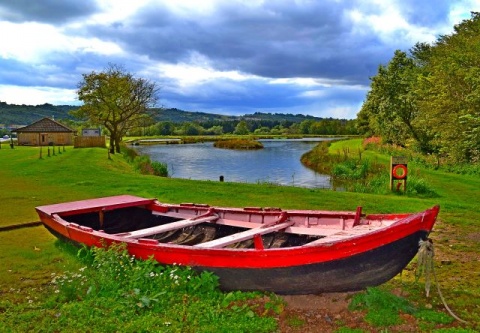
(269, 249)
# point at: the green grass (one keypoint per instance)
(30, 255)
(112, 289)
(383, 307)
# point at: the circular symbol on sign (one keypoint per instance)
(399, 174)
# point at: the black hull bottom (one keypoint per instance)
(351, 274)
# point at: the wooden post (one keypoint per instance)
(398, 171)
(40, 145)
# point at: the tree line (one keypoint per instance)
(429, 97)
(249, 126)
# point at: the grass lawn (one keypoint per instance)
(30, 255)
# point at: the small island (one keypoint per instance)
(241, 144)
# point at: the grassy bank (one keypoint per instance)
(29, 256)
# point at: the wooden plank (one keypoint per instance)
(167, 227)
(244, 235)
(342, 235)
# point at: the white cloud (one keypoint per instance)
(387, 22)
(114, 11)
(37, 95)
(458, 11)
(196, 71)
(34, 42)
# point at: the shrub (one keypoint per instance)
(372, 142)
(420, 187)
(351, 170)
(128, 153)
(143, 163)
(243, 144)
(160, 169)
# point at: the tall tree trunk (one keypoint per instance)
(117, 145)
(112, 145)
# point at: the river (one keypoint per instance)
(277, 163)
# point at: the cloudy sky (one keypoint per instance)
(218, 56)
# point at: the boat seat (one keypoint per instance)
(167, 227)
(244, 235)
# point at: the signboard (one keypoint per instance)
(398, 172)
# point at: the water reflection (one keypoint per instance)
(278, 162)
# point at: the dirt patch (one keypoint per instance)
(318, 313)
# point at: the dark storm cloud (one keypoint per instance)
(15, 73)
(277, 39)
(45, 11)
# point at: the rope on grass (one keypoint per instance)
(426, 267)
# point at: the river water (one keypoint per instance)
(278, 162)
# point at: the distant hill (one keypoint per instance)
(12, 114)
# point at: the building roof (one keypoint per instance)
(45, 125)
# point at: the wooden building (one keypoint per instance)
(45, 132)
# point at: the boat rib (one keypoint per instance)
(244, 235)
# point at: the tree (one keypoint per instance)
(117, 100)
(391, 109)
(241, 128)
(451, 92)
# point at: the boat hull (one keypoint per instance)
(353, 273)
(334, 266)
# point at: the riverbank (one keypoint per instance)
(30, 255)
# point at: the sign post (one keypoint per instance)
(398, 172)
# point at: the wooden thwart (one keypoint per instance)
(244, 235)
(168, 227)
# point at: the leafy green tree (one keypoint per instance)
(116, 100)
(189, 128)
(215, 130)
(391, 109)
(241, 128)
(305, 126)
(451, 92)
(164, 128)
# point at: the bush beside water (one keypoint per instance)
(143, 163)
